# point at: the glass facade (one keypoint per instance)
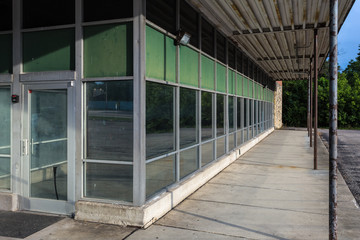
(198, 103)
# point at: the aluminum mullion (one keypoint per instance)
(139, 159)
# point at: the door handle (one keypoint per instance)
(25, 147)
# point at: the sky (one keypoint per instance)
(349, 37)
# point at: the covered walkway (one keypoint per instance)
(271, 192)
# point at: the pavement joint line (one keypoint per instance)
(254, 206)
(197, 230)
(232, 225)
(238, 185)
(131, 233)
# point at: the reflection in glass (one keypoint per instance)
(206, 116)
(187, 117)
(220, 147)
(4, 172)
(239, 136)
(231, 141)
(109, 181)
(188, 161)
(159, 174)
(109, 120)
(159, 119)
(220, 129)
(238, 113)
(246, 113)
(48, 144)
(207, 153)
(231, 114)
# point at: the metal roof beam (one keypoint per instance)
(279, 58)
(279, 30)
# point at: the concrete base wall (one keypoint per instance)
(278, 106)
(9, 202)
(145, 215)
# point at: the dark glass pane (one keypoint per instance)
(188, 161)
(239, 61)
(44, 13)
(220, 130)
(109, 120)
(245, 65)
(231, 141)
(238, 115)
(159, 119)
(5, 15)
(159, 174)
(206, 116)
(231, 114)
(231, 56)
(220, 147)
(207, 153)
(251, 112)
(109, 181)
(207, 37)
(107, 9)
(189, 22)
(162, 13)
(220, 47)
(187, 117)
(246, 114)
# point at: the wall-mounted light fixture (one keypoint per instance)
(182, 38)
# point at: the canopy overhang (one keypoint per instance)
(277, 34)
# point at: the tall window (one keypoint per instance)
(5, 129)
(109, 136)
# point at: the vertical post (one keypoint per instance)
(316, 95)
(16, 174)
(308, 107)
(333, 120)
(139, 165)
(311, 103)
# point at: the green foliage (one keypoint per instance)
(295, 98)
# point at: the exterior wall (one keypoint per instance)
(117, 77)
(278, 106)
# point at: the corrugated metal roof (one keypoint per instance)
(277, 34)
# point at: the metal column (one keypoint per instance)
(311, 103)
(308, 107)
(333, 120)
(316, 95)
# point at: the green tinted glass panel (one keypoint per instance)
(52, 50)
(232, 75)
(108, 50)
(220, 78)
(239, 85)
(6, 53)
(189, 66)
(160, 56)
(245, 87)
(250, 88)
(207, 73)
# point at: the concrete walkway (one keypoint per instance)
(271, 192)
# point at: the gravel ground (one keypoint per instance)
(348, 157)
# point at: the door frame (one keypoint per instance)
(39, 204)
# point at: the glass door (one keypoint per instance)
(46, 149)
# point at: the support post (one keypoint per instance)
(308, 107)
(316, 95)
(333, 120)
(311, 103)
